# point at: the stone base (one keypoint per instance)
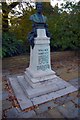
(39, 78)
(45, 87)
(28, 96)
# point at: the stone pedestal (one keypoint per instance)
(39, 84)
(40, 66)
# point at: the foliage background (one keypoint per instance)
(63, 25)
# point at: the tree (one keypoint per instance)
(7, 8)
(47, 9)
(5, 12)
(65, 27)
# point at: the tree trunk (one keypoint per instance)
(4, 17)
(5, 25)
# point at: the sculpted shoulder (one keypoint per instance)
(35, 18)
(32, 17)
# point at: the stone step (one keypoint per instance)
(40, 73)
(40, 79)
(53, 95)
(34, 92)
(38, 83)
(53, 80)
(23, 101)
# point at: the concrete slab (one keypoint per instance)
(12, 113)
(5, 95)
(44, 107)
(75, 82)
(77, 101)
(54, 113)
(28, 114)
(69, 110)
(21, 97)
(6, 104)
(42, 115)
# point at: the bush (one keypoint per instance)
(11, 46)
(65, 32)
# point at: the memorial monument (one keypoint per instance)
(39, 83)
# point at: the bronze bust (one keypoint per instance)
(38, 17)
(39, 21)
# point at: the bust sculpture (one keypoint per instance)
(39, 22)
(38, 17)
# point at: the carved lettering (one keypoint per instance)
(43, 67)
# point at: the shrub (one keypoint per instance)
(11, 46)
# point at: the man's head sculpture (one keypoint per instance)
(38, 17)
(39, 7)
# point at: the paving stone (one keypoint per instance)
(54, 113)
(42, 115)
(6, 104)
(63, 99)
(51, 104)
(74, 94)
(4, 95)
(29, 114)
(12, 113)
(69, 105)
(76, 101)
(74, 82)
(79, 113)
(68, 110)
(63, 111)
(44, 107)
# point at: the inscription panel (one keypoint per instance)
(43, 59)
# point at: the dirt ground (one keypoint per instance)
(65, 64)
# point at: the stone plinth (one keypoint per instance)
(40, 55)
(39, 83)
(40, 66)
